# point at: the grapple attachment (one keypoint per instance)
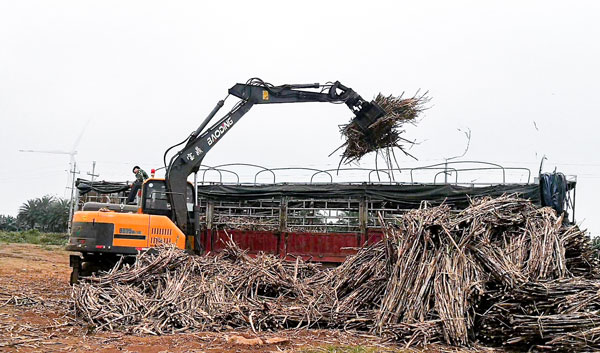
(369, 113)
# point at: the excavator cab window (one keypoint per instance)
(156, 199)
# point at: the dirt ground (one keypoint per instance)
(35, 316)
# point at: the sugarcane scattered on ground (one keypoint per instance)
(501, 273)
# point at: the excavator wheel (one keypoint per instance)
(75, 263)
(74, 276)
(83, 270)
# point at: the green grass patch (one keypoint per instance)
(34, 237)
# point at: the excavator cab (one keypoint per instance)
(155, 198)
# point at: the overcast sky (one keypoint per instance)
(523, 76)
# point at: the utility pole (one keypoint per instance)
(72, 203)
(93, 170)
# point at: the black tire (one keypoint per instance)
(74, 276)
(87, 268)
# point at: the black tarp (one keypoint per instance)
(554, 191)
(101, 187)
(405, 195)
(409, 196)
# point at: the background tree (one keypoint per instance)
(46, 213)
(8, 223)
(29, 214)
(58, 215)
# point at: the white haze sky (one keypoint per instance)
(145, 74)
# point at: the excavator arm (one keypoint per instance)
(255, 91)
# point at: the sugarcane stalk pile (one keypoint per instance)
(247, 223)
(385, 134)
(171, 291)
(501, 273)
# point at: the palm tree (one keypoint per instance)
(8, 223)
(29, 213)
(58, 215)
(46, 213)
(45, 205)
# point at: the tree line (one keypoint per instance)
(46, 214)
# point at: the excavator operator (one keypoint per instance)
(140, 176)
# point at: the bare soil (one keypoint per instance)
(35, 316)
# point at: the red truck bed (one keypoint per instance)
(320, 222)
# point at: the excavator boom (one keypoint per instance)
(255, 91)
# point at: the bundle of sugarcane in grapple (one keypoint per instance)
(501, 273)
(385, 133)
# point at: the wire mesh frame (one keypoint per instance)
(446, 169)
(92, 196)
(289, 214)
